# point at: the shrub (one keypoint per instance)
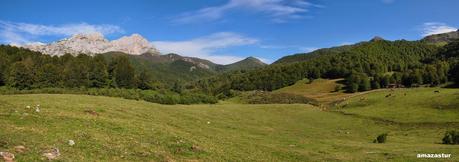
(381, 138)
(261, 97)
(338, 87)
(162, 97)
(451, 137)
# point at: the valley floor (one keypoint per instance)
(114, 129)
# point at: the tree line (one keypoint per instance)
(25, 69)
(366, 65)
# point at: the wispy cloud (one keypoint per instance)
(207, 46)
(20, 33)
(299, 48)
(431, 28)
(387, 1)
(277, 10)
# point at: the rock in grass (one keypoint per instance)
(8, 157)
(71, 142)
(52, 153)
(20, 149)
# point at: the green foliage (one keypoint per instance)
(123, 73)
(246, 64)
(358, 82)
(21, 75)
(24, 69)
(261, 97)
(49, 76)
(381, 138)
(369, 58)
(338, 87)
(451, 137)
(98, 74)
(163, 97)
(144, 80)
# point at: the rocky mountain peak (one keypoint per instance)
(96, 43)
(89, 36)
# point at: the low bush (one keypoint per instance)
(381, 138)
(163, 97)
(262, 97)
(451, 137)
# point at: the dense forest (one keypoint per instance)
(23, 69)
(366, 65)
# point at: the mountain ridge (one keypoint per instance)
(95, 43)
(442, 37)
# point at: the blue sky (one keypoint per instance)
(225, 31)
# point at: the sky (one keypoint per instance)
(225, 31)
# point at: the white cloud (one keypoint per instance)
(20, 33)
(277, 10)
(206, 47)
(431, 28)
(308, 49)
(296, 47)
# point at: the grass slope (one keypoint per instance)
(127, 130)
(407, 105)
(323, 90)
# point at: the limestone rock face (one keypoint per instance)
(95, 43)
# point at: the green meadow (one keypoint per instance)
(115, 129)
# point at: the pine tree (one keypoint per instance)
(123, 73)
(98, 75)
(143, 80)
(21, 76)
(75, 74)
(49, 76)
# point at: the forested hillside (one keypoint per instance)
(25, 69)
(367, 65)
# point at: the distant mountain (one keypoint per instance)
(246, 64)
(169, 67)
(95, 43)
(442, 38)
(373, 58)
(173, 67)
(300, 57)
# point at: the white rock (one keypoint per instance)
(95, 43)
(71, 142)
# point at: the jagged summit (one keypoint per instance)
(96, 43)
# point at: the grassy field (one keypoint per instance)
(323, 90)
(114, 129)
(416, 105)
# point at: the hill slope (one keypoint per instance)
(172, 67)
(443, 38)
(113, 129)
(371, 58)
(248, 63)
(423, 105)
